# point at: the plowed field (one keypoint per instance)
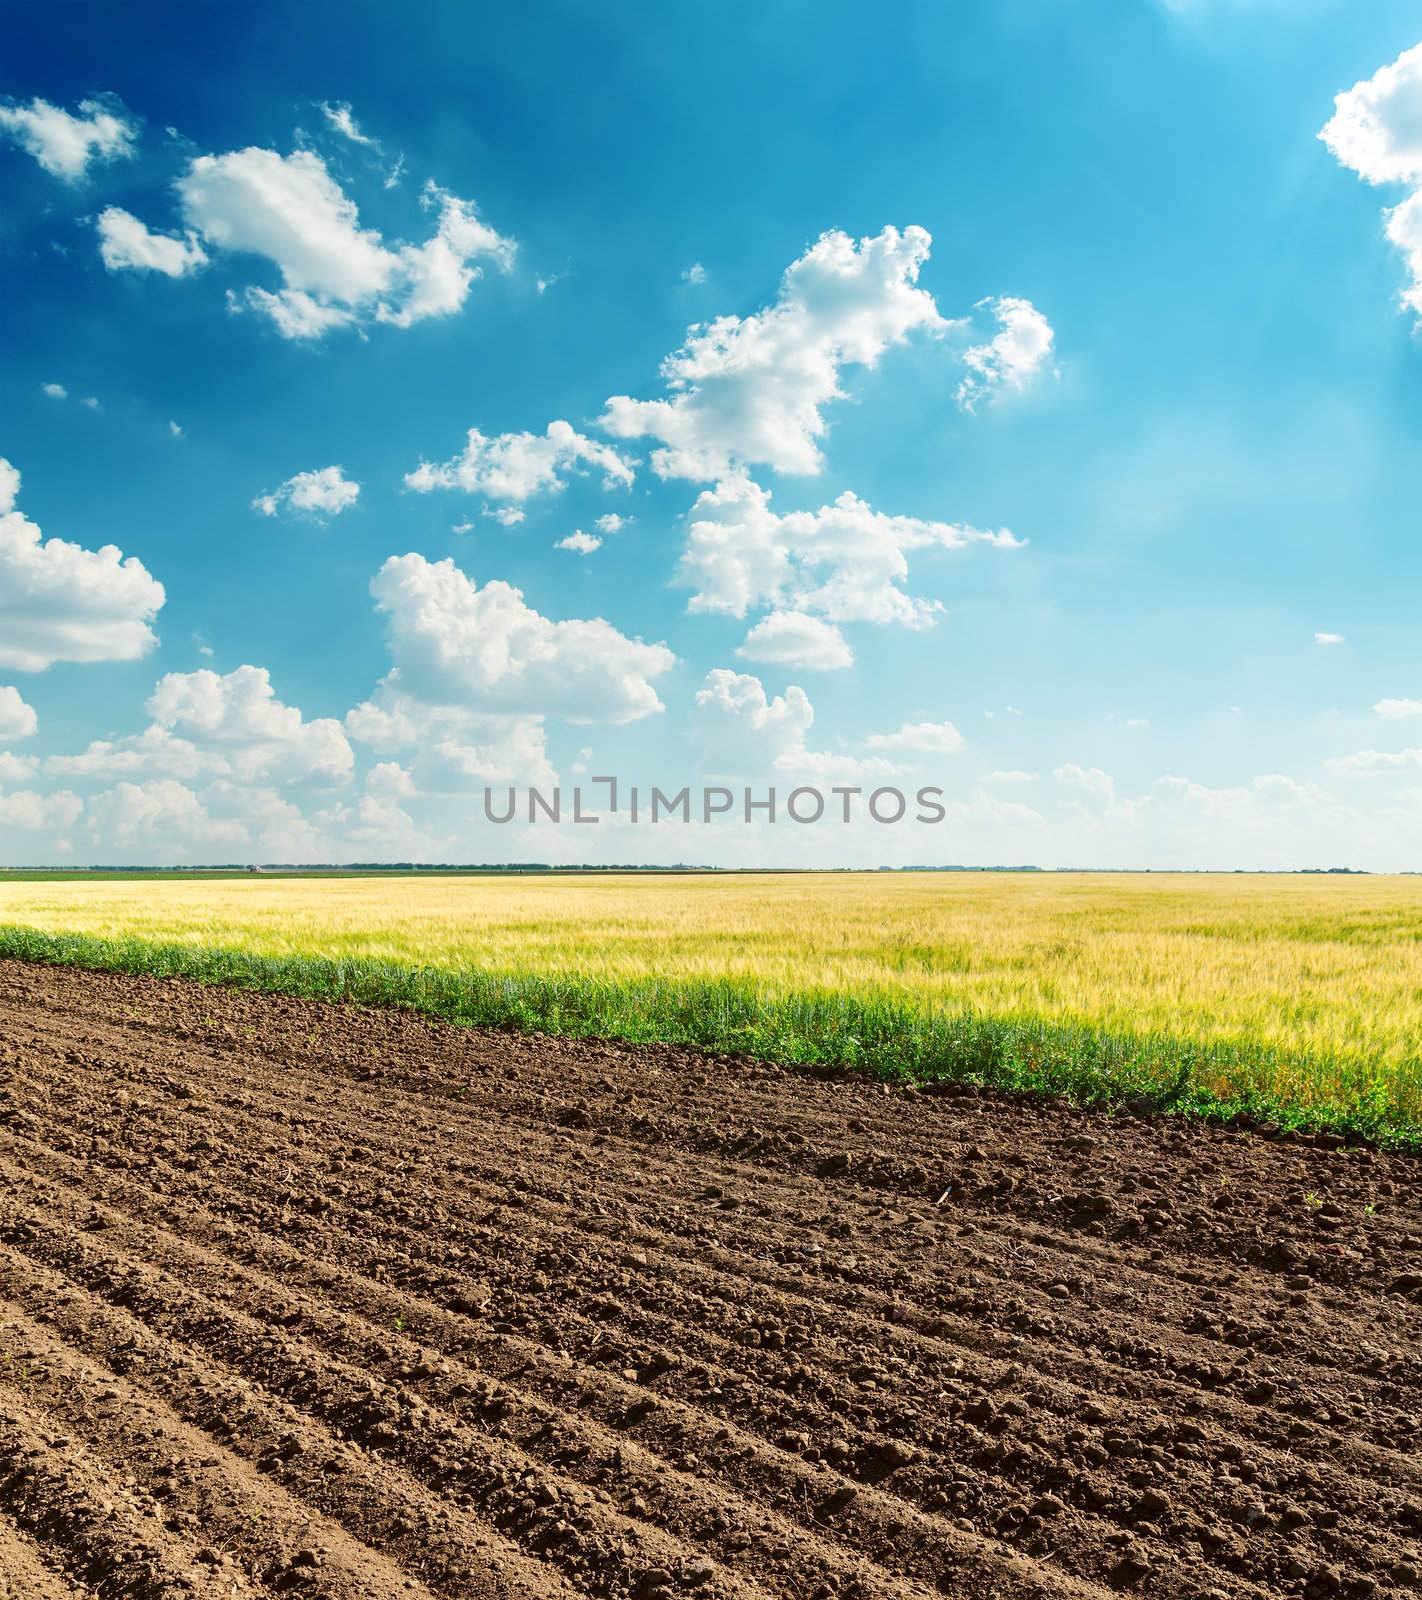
(301, 1299)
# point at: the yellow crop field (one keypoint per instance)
(1322, 965)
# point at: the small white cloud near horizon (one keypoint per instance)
(1398, 710)
(581, 543)
(1371, 761)
(795, 639)
(65, 144)
(324, 492)
(932, 738)
(1329, 639)
(694, 274)
(55, 391)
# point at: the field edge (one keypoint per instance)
(819, 1030)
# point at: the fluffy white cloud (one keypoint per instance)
(457, 644)
(153, 753)
(516, 466)
(1327, 639)
(24, 808)
(741, 730)
(453, 744)
(1376, 127)
(580, 543)
(239, 715)
(740, 723)
(1376, 131)
(17, 769)
(56, 391)
(231, 727)
(1374, 761)
(17, 720)
(933, 738)
(292, 212)
(1014, 355)
(126, 244)
(611, 522)
(793, 639)
(752, 389)
(845, 561)
(60, 602)
(390, 781)
(324, 492)
(65, 144)
(1100, 785)
(1398, 710)
(162, 812)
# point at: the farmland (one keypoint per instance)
(1300, 997)
(597, 1294)
(352, 1304)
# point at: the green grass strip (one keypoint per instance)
(884, 1036)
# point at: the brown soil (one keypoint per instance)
(309, 1300)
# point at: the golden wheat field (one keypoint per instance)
(1311, 963)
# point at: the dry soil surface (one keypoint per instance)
(317, 1301)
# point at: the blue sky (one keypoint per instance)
(1068, 402)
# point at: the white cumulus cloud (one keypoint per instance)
(795, 639)
(334, 273)
(455, 643)
(17, 720)
(1397, 710)
(324, 492)
(126, 244)
(932, 738)
(61, 602)
(17, 769)
(580, 543)
(517, 466)
(747, 390)
(1014, 355)
(237, 715)
(1376, 131)
(744, 731)
(24, 808)
(158, 812)
(64, 144)
(845, 561)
